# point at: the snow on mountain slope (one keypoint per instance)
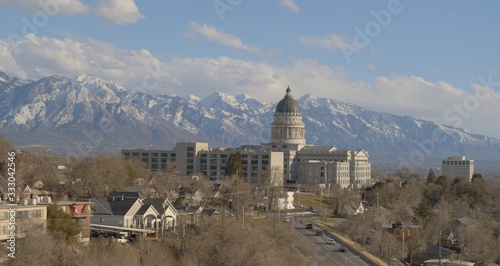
(58, 111)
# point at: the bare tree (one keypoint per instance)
(97, 176)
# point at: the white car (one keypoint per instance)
(331, 241)
(286, 220)
(121, 239)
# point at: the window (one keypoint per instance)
(190, 148)
(145, 154)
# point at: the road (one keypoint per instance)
(350, 257)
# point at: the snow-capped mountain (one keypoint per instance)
(88, 114)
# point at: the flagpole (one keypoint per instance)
(356, 141)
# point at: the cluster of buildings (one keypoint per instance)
(286, 158)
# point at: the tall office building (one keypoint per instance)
(458, 166)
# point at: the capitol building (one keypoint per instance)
(286, 158)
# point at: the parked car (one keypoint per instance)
(121, 239)
(343, 249)
(331, 241)
(133, 238)
(286, 220)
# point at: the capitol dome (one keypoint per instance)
(288, 104)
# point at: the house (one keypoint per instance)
(37, 194)
(351, 208)
(433, 252)
(196, 197)
(147, 217)
(166, 213)
(80, 212)
(459, 231)
(128, 211)
(188, 215)
(116, 211)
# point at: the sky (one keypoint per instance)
(433, 60)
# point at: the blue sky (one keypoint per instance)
(435, 60)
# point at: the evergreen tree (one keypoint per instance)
(59, 221)
(431, 177)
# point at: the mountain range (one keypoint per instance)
(83, 115)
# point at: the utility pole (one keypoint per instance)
(439, 226)
(403, 255)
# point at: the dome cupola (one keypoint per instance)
(288, 104)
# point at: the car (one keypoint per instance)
(286, 220)
(309, 226)
(121, 239)
(133, 238)
(342, 249)
(319, 233)
(331, 241)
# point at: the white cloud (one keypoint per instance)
(332, 42)
(118, 11)
(139, 70)
(115, 11)
(371, 67)
(290, 5)
(66, 7)
(209, 32)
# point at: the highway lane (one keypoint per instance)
(320, 242)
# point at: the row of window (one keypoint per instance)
(147, 154)
(23, 214)
(456, 162)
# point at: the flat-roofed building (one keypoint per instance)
(327, 165)
(260, 167)
(458, 166)
(26, 219)
(183, 156)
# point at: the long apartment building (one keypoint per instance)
(190, 158)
